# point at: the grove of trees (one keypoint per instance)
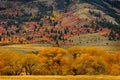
(58, 61)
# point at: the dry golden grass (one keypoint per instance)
(95, 40)
(82, 77)
(22, 48)
(28, 48)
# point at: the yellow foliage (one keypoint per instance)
(53, 59)
(93, 51)
(5, 40)
(58, 61)
(30, 59)
(30, 62)
(26, 29)
(10, 57)
(2, 64)
(57, 15)
(52, 52)
(75, 51)
(22, 38)
(83, 11)
(117, 56)
(52, 18)
(13, 64)
(115, 69)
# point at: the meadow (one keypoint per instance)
(34, 48)
(80, 77)
(22, 48)
(95, 40)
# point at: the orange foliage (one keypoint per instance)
(57, 61)
(12, 62)
(115, 69)
(2, 64)
(75, 51)
(53, 59)
(29, 63)
(93, 51)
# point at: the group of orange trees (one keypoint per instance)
(57, 61)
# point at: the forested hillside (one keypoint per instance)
(47, 21)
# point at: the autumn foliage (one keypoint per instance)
(58, 61)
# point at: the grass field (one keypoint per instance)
(82, 77)
(28, 48)
(22, 48)
(95, 40)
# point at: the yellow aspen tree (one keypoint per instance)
(30, 63)
(13, 64)
(53, 59)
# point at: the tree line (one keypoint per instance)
(57, 61)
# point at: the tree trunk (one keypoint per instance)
(74, 56)
(75, 71)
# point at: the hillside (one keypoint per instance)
(111, 7)
(47, 21)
